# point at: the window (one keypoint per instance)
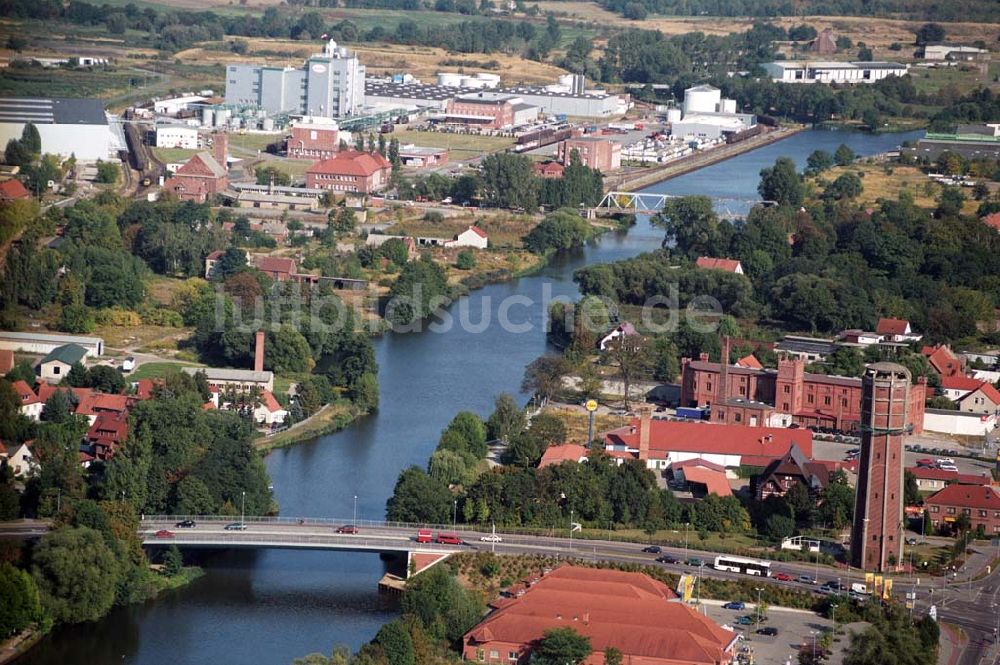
(826, 401)
(809, 398)
(480, 655)
(951, 510)
(982, 513)
(786, 389)
(934, 509)
(511, 655)
(494, 654)
(56, 369)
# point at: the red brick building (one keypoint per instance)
(629, 611)
(943, 360)
(548, 169)
(201, 177)
(313, 140)
(485, 111)
(980, 502)
(350, 171)
(278, 268)
(753, 396)
(877, 530)
(602, 154)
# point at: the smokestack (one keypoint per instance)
(220, 146)
(645, 422)
(258, 352)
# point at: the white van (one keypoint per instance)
(857, 587)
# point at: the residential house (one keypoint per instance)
(628, 611)
(980, 502)
(932, 479)
(984, 399)
(20, 459)
(350, 171)
(107, 435)
(624, 329)
(13, 190)
(473, 237)
(269, 412)
(793, 469)
(957, 386)
(548, 169)
(278, 268)
(712, 263)
(31, 406)
(56, 365)
(567, 452)
(702, 477)
(896, 330)
(855, 337)
(944, 362)
(6, 361)
(201, 177)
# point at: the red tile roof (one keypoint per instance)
(144, 388)
(628, 611)
(202, 164)
(352, 162)
(109, 429)
(6, 361)
(713, 438)
(714, 481)
(892, 326)
(275, 264)
(478, 231)
(13, 190)
(697, 461)
(966, 496)
(25, 393)
(567, 452)
(551, 169)
(215, 255)
(993, 219)
(934, 473)
(268, 399)
(943, 360)
(966, 383)
(711, 263)
(989, 391)
(749, 362)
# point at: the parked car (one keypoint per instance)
(770, 631)
(911, 541)
(236, 526)
(185, 524)
(348, 528)
(783, 577)
(492, 538)
(652, 549)
(735, 605)
(806, 579)
(744, 620)
(925, 461)
(695, 562)
(163, 533)
(128, 365)
(945, 460)
(947, 467)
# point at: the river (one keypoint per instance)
(273, 606)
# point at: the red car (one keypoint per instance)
(925, 462)
(783, 577)
(163, 533)
(347, 528)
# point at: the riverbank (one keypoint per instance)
(329, 419)
(635, 181)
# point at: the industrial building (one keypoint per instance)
(597, 153)
(67, 126)
(704, 114)
(174, 136)
(479, 80)
(315, 137)
(969, 141)
(175, 105)
(833, 72)
(43, 343)
(382, 93)
(330, 84)
(490, 110)
(953, 53)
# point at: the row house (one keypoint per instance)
(981, 503)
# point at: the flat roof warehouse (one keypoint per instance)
(52, 111)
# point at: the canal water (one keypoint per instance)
(273, 606)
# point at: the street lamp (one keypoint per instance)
(570, 529)
(833, 612)
(243, 508)
(454, 513)
(686, 524)
(355, 521)
(813, 633)
(758, 590)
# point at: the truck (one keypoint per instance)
(858, 588)
(693, 413)
(424, 536)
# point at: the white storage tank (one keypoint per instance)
(702, 99)
(207, 117)
(267, 124)
(566, 80)
(728, 106)
(491, 80)
(222, 117)
(472, 82)
(449, 79)
(673, 115)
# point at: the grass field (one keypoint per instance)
(879, 183)
(168, 155)
(156, 370)
(461, 146)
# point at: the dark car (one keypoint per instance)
(735, 605)
(806, 579)
(652, 549)
(695, 562)
(236, 526)
(347, 528)
(770, 631)
(666, 558)
(185, 524)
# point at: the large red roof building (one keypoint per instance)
(350, 171)
(749, 396)
(629, 611)
(980, 502)
(199, 178)
(13, 190)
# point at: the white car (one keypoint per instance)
(128, 364)
(946, 460)
(947, 467)
(491, 539)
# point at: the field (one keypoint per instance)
(460, 146)
(156, 370)
(879, 183)
(168, 155)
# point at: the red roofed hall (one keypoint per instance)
(980, 502)
(663, 442)
(567, 452)
(629, 611)
(728, 265)
(6, 361)
(199, 178)
(13, 190)
(707, 481)
(350, 171)
(931, 478)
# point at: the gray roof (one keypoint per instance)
(806, 345)
(224, 374)
(524, 107)
(54, 110)
(47, 337)
(67, 353)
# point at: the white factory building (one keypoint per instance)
(67, 126)
(175, 105)
(174, 136)
(477, 81)
(704, 114)
(832, 72)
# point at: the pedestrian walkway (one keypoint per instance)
(951, 644)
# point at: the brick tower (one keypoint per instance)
(877, 532)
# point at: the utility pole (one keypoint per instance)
(571, 529)
(355, 522)
(454, 514)
(686, 541)
(243, 508)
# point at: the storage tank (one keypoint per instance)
(472, 82)
(449, 79)
(207, 117)
(728, 106)
(222, 117)
(701, 99)
(673, 115)
(491, 80)
(566, 80)
(267, 124)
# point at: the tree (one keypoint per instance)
(396, 643)
(267, 175)
(911, 493)
(173, 561)
(365, 392)
(781, 183)
(105, 379)
(21, 604)
(562, 229)
(507, 419)
(779, 527)
(31, 139)
(395, 251)
(628, 352)
(692, 223)
(16, 154)
(107, 172)
(232, 261)
(543, 377)
(844, 156)
(509, 181)
(613, 656)
(194, 497)
(466, 260)
(561, 646)
(444, 608)
(465, 433)
(819, 161)
(846, 186)
(419, 498)
(420, 289)
(865, 54)
(76, 574)
(929, 33)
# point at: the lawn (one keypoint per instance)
(156, 370)
(169, 155)
(461, 146)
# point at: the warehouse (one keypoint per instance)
(67, 126)
(380, 93)
(173, 136)
(44, 343)
(833, 72)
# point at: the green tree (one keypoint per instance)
(16, 154)
(419, 498)
(420, 289)
(561, 646)
(267, 175)
(31, 139)
(21, 605)
(445, 609)
(466, 260)
(781, 183)
(562, 229)
(77, 376)
(396, 643)
(76, 319)
(173, 561)
(929, 33)
(107, 172)
(507, 419)
(779, 527)
(613, 656)
(365, 392)
(844, 156)
(105, 379)
(846, 186)
(194, 497)
(911, 493)
(76, 574)
(395, 251)
(692, 224)
(543, 377)
(509, 181)
(819, 161)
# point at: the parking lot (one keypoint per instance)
(832, 450)
(795, 628)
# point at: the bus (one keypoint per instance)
(738, 564)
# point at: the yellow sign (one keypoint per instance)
(878, 585)
(685, 588)
(869, 580)
(591, 405)
(887, 589)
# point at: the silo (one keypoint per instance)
(728, 106)
(492, 80)
(472, 82)
(222, 117)
(701, 99)
(673, 115)
(449, 79)
(267, 124)
(207, 117)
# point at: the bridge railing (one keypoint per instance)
(317, 521)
